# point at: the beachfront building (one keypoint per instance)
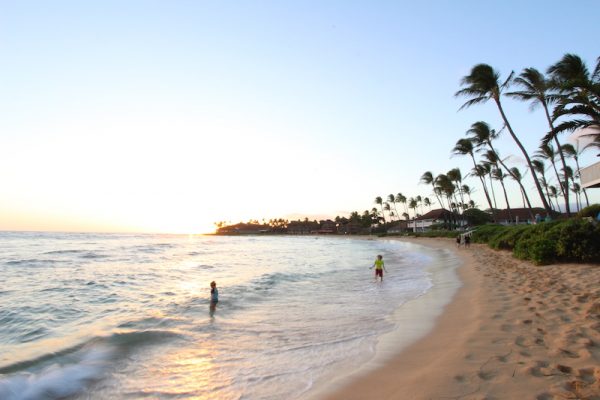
(439, 218)
(398, 227)
(590, 176)
(519, 216)
(302, 227)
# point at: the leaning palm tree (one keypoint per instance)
(428, 179)
(579, 94)
(516, 175)
(576, 188)
(481, 85)
(379, 201)
(427, 203)
(465, 147)
(498, 175)
(546, 152)
(392, 199)
(455, 177)
(539, 91)
(540, 168)
(483, 135)
(554, 193)
(400, 198)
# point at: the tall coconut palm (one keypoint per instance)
(400, 198)
(446, 188)
(427, 203)
(379, 201)
(554, 193)
(540, 168)
(455, 177)
(465, 147)
(483, 135)
(576, 188)
(388, 208)
(538, 90)
(573, 152)
(481, 85)
(516, 175)
(490, 163)
(498, 175)
(428, 179)
(546, 152)
(579, 94)
(392, 199)
(467, 190)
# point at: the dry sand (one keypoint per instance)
(513, 331)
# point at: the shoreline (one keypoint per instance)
(512, 330)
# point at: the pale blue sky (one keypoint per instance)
(168, 116)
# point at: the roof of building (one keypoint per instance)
(438, 213)
(523, 213)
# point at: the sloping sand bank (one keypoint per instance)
(513, 331)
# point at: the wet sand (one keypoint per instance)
(512, 331)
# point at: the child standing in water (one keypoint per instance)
(214, 296)
(379, 267)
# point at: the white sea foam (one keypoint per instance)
(56, 381)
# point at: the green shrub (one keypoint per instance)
(590, 211)
(539, 250)
(577, 240)
(507, 238)
(484, 233)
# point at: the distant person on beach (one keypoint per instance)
(458, 241)
(467, 240)
(379, 266)
(214, 296)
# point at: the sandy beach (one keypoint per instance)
(513, 331)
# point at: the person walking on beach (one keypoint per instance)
(379, 266)
(214, 297)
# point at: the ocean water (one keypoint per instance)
(119, 316)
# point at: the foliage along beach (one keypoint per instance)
(568, 93)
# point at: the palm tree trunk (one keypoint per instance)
(485, 190)
(493, 192)
(525, 154)
(506, 199)
(565, 190)
(523, 191)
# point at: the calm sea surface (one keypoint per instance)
(113, 316)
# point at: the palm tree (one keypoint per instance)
(412, 203)
(516, 174)
(540, 168)
(483, 135)
(427, 203)
(579, 93)
(576, 188)
(482, 85)
(379, 201)
(400, 198)
(571, 151)
(392, 199)
(419, 200)
(499, 176)
(428, 179)
(445, 187)
(538, 90)
(554, 193)
(455, 177)
(546, 152)
(466, 190)
(464, 147)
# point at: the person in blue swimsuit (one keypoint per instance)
(214, 296)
